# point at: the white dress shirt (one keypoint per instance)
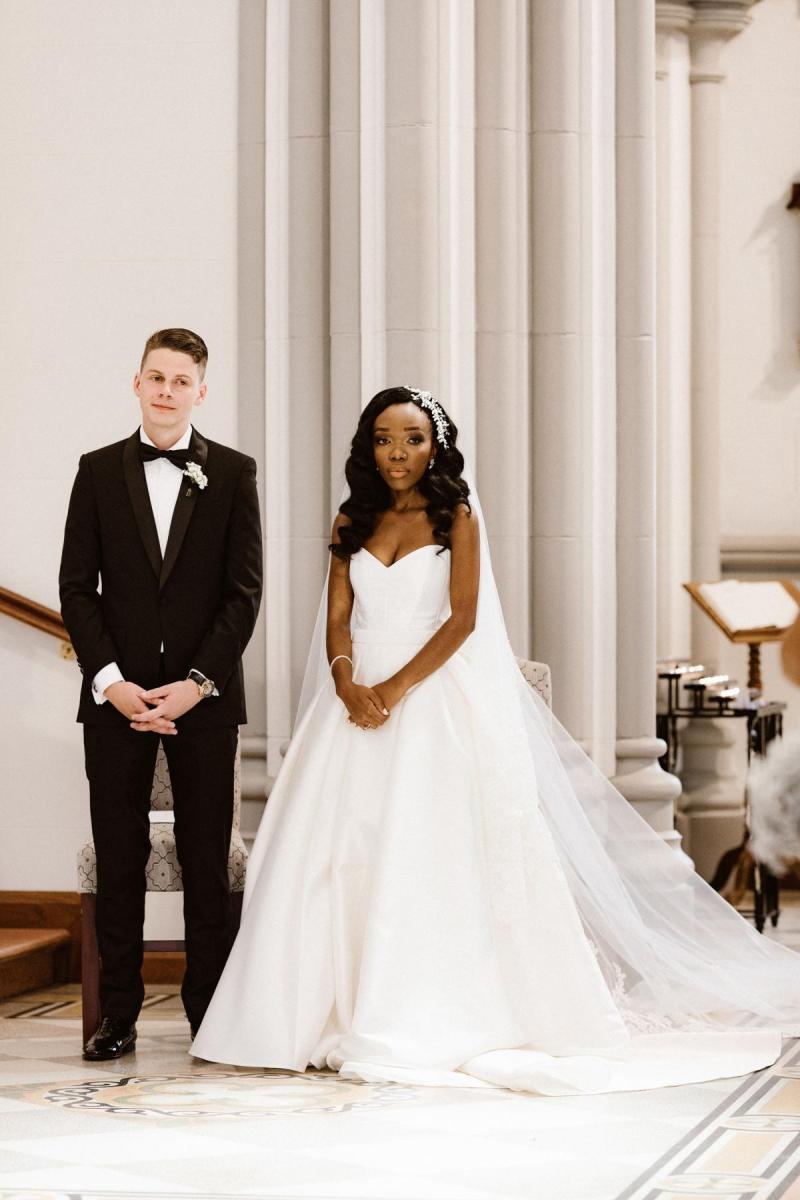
(163, 481)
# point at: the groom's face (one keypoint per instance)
(168, 386)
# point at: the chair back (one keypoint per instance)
(538, 676)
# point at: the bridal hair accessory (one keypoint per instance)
(427, 401)
(196, 474)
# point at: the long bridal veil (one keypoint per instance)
(675, 956)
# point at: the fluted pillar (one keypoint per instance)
(714, 23)
(357, 221)
(277, 578)
(713, 801)
(574, 420)
(639, 775)
(250, 362)
(412, 63)
(502, 140)
(296, 355)
(402, 208)
(673, 330)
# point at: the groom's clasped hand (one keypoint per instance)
(156, 710)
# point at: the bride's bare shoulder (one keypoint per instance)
(465, 523)
(464, 535)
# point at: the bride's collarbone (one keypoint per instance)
(400, 536)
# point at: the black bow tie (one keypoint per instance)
(178, 458)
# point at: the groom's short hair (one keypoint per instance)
(178, 339)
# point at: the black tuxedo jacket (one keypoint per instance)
(201, 601)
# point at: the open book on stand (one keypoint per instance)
(749, 611)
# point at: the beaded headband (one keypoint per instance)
(427, 401)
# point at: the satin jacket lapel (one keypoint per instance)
(133, 470)
(184, 507)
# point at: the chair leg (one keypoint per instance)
(90, 966)
(236, 912)
(61, 964)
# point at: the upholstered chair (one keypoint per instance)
(538, 676)
(163, 875)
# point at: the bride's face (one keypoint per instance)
(402, 440)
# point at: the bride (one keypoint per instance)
(444, 889)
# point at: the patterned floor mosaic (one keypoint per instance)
(749, 1147)
(160, 1124)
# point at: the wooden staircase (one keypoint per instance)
(32, 958)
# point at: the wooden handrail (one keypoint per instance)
(31, 613)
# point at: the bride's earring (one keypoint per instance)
(430, 464)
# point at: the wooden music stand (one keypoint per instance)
(753, 637)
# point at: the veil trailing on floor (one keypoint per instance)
(675, 956)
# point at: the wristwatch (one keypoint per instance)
(205, 686)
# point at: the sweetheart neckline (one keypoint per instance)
(403, 557)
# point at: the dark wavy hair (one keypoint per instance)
(442, 486)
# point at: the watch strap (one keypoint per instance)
(205, 686)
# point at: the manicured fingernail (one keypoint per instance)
(386, 712)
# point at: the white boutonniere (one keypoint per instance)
(195, 473)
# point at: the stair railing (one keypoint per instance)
(30, 612)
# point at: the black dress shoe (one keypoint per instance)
(113, 1037)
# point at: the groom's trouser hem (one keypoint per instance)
(119, 764)
(201, 765)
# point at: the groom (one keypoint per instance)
(168, 524)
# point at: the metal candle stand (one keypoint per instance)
(711, 698)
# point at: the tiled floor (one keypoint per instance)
(159, 1123)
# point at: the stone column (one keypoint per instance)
(573, 364)
(460, 66)
(713, 805)
(714, 23)
(277, 577)
(413, 60)
(250, 383)
(357, 221)
(296, 355)
(402, 208)
(673, 329)
(502, 242)
(639, 776)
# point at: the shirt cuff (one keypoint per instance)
(103, 679)
(199, 672)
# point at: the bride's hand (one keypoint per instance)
(389, 693)
(364, 706)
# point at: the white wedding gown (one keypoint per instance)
(408, 916)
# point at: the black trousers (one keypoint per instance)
(119, 765)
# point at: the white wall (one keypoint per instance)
(118, 153)
(760, 285)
